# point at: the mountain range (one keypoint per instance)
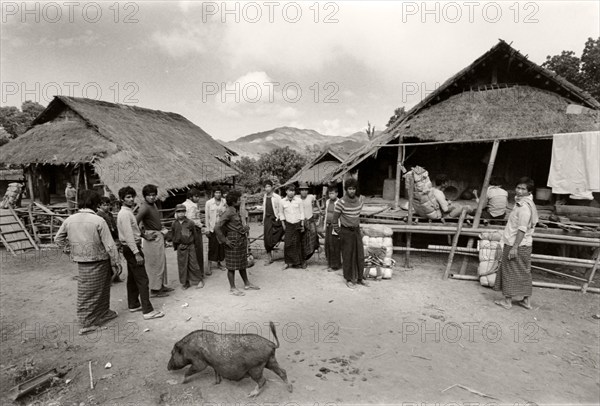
(297, 139)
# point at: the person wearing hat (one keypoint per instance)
(187, 241)
(310, 239)
(291, 213)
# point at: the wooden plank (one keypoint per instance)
(6, 244)
(24, 230)
(461, 220)
(482, 199)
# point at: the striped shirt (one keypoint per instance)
(348, 211)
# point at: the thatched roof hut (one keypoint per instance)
(318, 168)
(125, 145)
(501, 95)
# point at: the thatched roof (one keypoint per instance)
(502, 94)
(319, 168)
(147, 146)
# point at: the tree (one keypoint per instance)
(399, 113)
(249, 177)
(282, 163)
(583, 72)
(16, 121)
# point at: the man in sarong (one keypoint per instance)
(332, 239)
(187, 242)
(138, 292)
(213, 209)
(272, 228)
(95, 252)
(291, 213)
(153, 243)
(105, 213)
(310, 239)
(347, 213)
(234, 235)
(514, 275)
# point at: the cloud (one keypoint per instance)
(86, 39)
(351, 112)
(336, 127)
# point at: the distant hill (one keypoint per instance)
(297, 139)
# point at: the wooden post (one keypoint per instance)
(461, 220)
(30, 177)
(33, 228)
(77, 186)
(584, 288)
(85, 180)
(410, 187)
(482, 200)
(399, 162)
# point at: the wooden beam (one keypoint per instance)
(461, 220)
(410, 187)
(399, 162)
(482, 199)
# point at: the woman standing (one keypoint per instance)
(231, 232)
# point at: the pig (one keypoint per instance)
(232, 356)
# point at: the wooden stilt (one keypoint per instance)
(586, 285)
(482, 200)
(399, 162)
(85, 179)
(461, 220)
(30, 178)
(410, 187)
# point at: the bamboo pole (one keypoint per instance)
(534, 283)
(558, 273)
(85, 179)
(29, 173)
(399, 162)
(584, 288)
(410, 186)
(77, 186)
(482, 199)
(461, 220)
(33, 227)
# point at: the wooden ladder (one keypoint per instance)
(13, 233)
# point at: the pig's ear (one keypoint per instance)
(177, 348)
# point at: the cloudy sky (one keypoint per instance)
(237, 68)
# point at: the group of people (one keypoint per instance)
(291, 218)
(96, 241)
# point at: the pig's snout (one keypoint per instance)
(177, 360)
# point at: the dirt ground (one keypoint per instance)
(408, 339)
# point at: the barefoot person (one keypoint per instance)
(153, 243)
(94, 250)
(233, 234)
(187, 242)
(514, 276)
(272, 228)
(347, 212)
(138, 293)
(310, 238)
(291, 213)
(213, 209)
(332, 239)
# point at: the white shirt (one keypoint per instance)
(212, 211)
(520, 219)
(192, 212)
(275, 202)
(292, 211)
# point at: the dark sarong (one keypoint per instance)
(514, 275)
(292, 249)
(310, 239)
(93, 293)
(216, 251)
(332, 248)
(273, 232)
(353, 256)
(236, 257)
(190, 272)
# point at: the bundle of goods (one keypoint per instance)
(12, 195)
(424, 201)
(378, 248)
(490, 254)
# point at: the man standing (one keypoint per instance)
(310, 239)
(292, 215)
(193, 213)
(272, 228)
(514, 276)
(104, 212)
(71, 196)
(332, 239)
(94, 250)
(213, 210)
(138, 295)
(187, 242)
(153, 242)
(347, 212)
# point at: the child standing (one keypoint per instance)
(188, 244)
